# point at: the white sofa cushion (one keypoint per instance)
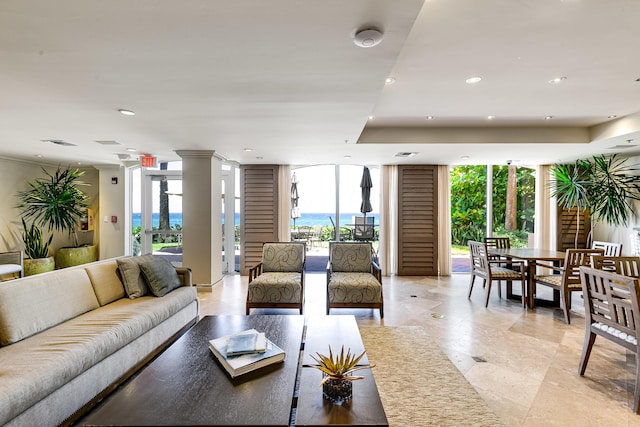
(35, 303)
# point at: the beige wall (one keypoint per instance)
(14, 175)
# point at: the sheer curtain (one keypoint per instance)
(388, 219)
(284, 203)
(546, 211)
(444, 221)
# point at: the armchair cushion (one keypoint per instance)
(281, 257)
(276, 287)
(348, 287)
(350, 257)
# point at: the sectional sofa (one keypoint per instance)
(69, 337)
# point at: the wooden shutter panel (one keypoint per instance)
(418, 220)
(258, 212)
(567, 226)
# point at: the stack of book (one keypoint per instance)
(245, 351)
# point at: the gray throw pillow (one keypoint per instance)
(161, 276)
(132, 279)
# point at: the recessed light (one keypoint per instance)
(465, 157)
(131, 150)
(372, 117)
(429, 117)
(127, 112)
(259, 157)
(248, 150)
(39, 155)
(472, 80)
(406, 154)
(389, 80)
(612, 116)
(548, 117)
(491, 117)
(347, 156)
(557, 80)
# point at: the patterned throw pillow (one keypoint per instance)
(161, 276)
(133, 281)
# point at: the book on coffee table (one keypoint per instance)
(246, 342)
(239, 365)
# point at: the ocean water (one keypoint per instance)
(309, 219)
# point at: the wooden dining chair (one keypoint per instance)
(488, 271)
(566, 279)
(623, 265)
(611, 311)
(610, 248)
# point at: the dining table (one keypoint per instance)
(531, 257)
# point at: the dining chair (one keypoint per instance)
(611, 311)
(488, 271)
(11, 263)
(278, 280)
(610, 248)
(354, 280)
(566, 279)
(623, 265)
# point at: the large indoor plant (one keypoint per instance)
(603, 186)
(37, 250)
(57, 203)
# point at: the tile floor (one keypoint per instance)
(524, 363)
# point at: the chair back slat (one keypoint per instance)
(611, 300)
(498, 242)
(610, 248)
(478, 258)
(623, 265)
(576, 258)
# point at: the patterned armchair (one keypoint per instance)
(353, 279)
(278, 280)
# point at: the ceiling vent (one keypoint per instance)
(107, 142)
(622, 147)
(59, 142)
(406, 154)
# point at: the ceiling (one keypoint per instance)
(284, 79)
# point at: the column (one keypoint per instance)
(201, 216)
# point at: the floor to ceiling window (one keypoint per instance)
(508, 208)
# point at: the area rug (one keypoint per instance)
(418, 384)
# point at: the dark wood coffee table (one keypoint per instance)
(186, 385)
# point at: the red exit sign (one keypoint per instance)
(148, 161)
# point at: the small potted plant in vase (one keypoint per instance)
(37, 251)
(337, 381)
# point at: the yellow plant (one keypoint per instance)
(339, 367)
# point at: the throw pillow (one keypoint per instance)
(161, 276)
(132, 279)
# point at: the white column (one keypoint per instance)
(113, 235)
(489, 212)
(201, 216)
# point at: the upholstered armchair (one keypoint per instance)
(353, 279)
(278, 280)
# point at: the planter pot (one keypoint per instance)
(68, 257)
(337, 391)
(39, 265)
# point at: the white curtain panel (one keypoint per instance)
(284, 203)
(388, 220)
(444, 221)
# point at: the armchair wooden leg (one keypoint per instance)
(589, 339)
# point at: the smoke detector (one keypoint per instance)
(367, 38)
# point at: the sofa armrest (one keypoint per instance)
(377, 272)
(185, 276)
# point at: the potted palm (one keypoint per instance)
(57, 203)
(37, 250)
(603, 186)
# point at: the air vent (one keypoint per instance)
(108, 142)
(622, 147)
(406, 154)
(59, 142)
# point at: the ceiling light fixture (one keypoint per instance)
(491, 117)
(367, 38)
(372, 117)
(612, 116)
(548, 117)
(465, 157)
(429, 117)
(248, 150)
(389, 80)
(131, 150)
(472, 80)
(127, 112)
(558, 80)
